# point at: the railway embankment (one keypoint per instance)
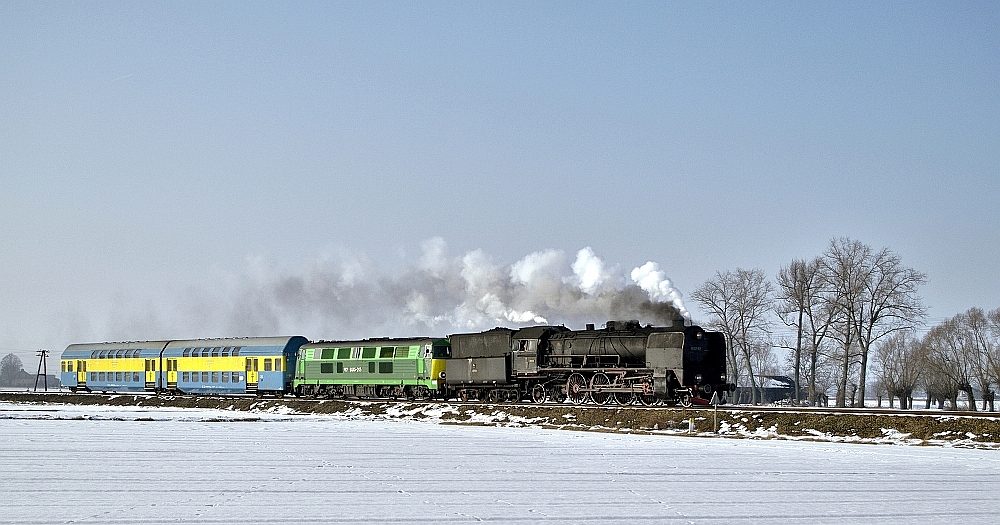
(978, 430)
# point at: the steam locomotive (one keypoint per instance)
(624, 362)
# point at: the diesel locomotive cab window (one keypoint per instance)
(386, 351)
(442, 352)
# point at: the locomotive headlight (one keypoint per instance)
(697, 378)
(723, 378)
(441, 375)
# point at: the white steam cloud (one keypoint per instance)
(654, 281)
(437, 295)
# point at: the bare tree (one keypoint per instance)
(801, 302)
(873, 296)
(993, 352)
(10, 366)
(899, 363)
(795, 286)
(739, 302)
(949, 362)
(843, 275)
(889, 303)
(979, 343)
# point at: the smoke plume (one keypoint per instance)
(442, 294)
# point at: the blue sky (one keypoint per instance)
(153, 150)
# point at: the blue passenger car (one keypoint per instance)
(203, 366)
(111, 367)
(230, 366)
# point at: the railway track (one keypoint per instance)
(831, 411)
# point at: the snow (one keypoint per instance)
(100, 464)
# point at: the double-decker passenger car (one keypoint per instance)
(372, 368)
(201, 366)
(111, 367)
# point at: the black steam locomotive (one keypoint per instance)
(625, 362)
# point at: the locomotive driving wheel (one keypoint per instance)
(538, 394)
(600, 380)
(576, 388)
(625, 398)
(647, 399)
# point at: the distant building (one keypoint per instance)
(773, 389)
(25, 380)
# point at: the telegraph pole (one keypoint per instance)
(43, 369)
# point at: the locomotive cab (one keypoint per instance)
(528, 348)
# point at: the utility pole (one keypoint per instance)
(43, 369)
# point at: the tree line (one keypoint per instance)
(855, 315)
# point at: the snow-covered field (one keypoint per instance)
(100, 464)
